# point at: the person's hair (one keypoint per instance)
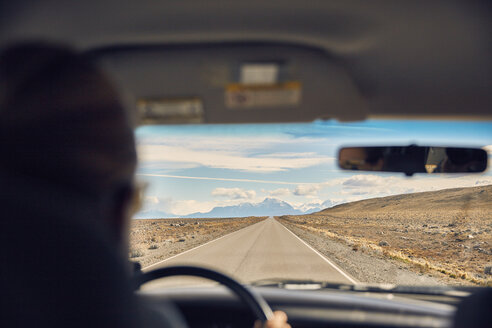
(61, 120)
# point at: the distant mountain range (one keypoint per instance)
(268, 207)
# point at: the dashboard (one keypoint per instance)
(217, 307)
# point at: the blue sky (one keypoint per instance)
(193, 168)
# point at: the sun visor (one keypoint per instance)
(234, 83)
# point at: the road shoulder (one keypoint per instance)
(366, 268)
(157, 240)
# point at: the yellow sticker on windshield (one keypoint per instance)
(242, 96)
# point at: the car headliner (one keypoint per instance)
(392, 58)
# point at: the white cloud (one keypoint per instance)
(290, 155)
(277, 192)
(314, 204)
(152, 203)
(225, 159)
(342, 190)
(215, 179)
(361, 180)
(234, 193)
(151, 200)
(252, 154)
(368, 186)
(180, 207)
(307, 190)
(185, 207)
(304, 206)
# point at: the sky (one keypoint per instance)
(194, 168)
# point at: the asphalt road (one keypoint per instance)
(261, 251)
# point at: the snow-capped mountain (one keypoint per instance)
(316, 207)
(269, 207)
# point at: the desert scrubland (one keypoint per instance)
(154, 240)
(446, 233)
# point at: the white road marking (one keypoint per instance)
(192, 249)
(352, 280)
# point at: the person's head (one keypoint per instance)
(62, 121)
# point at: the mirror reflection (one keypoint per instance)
(413, 159)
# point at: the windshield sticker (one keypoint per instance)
(245, 96)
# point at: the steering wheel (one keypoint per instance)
(254, 301)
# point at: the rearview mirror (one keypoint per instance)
(413, 159)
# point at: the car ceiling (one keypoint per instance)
(352, 59)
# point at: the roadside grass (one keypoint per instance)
(422, 264)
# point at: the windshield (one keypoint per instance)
(268, 201)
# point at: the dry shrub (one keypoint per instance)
(136, 252)
(422, 264)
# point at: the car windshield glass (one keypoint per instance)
(269, 202)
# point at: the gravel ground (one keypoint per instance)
(368, 268)
(184, 235)
(168, 249)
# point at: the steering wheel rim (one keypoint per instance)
(254, 301)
